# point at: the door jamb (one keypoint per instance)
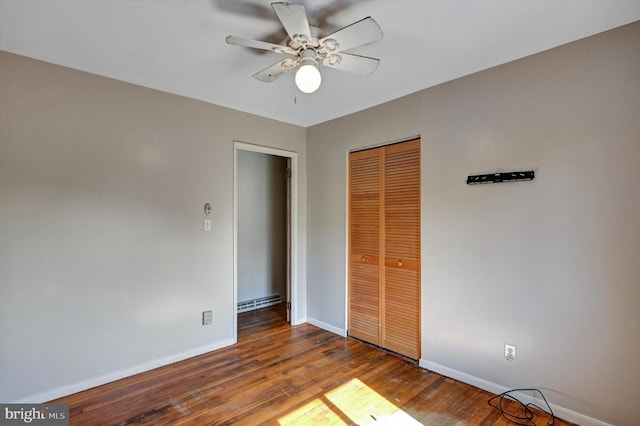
(293, 267)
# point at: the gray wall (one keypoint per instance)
(553, 265)
(104, 264)
(262, 244)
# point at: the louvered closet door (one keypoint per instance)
(401, 288)
(364, 245)
(384, 247)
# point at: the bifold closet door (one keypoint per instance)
(384, 247)
(401, 277)
(365, 174)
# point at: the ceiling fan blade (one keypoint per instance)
(255, 44)
(361, 32)
(357, 64)
(294, 20)
(276, 70)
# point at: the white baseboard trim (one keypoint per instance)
(328, 327)
(298, 321)
(561, 412)
(111, 377)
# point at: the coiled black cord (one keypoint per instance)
(525, 418)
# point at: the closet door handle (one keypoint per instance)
(364, 258)
(400, 263)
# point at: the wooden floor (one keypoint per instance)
(277, 374)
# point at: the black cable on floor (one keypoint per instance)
(525, 418)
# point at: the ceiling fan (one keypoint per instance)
(307, 46)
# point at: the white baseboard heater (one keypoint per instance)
(260, 302)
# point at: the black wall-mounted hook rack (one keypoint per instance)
(501, 177)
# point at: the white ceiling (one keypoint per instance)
(178, 46)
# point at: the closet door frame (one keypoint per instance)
(382, 252)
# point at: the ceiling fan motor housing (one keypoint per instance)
(308, 57)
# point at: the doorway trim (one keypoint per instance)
(293, 207)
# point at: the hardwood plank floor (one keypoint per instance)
(277, 374)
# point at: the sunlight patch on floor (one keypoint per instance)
(351, 403)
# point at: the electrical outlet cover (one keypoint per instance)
(509, 352)
(207, 317)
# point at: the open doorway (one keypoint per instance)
(263, 261)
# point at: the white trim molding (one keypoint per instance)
(560, 412)
(117, 375)
(328, 327)
(244, 146)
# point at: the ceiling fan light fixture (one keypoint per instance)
(308, 76)
(307, 45)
